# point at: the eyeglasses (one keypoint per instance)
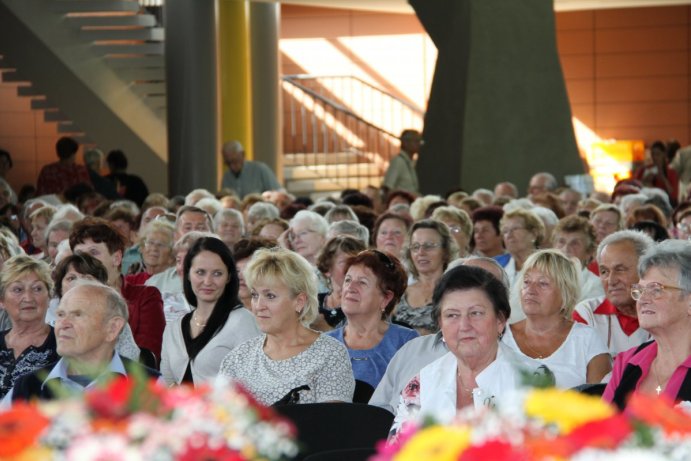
(511, 230)
(427, 246)
(155, 244)
(455, 229)
(301, 235)
(654, 289)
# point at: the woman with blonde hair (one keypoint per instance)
(459, 224)
(548, 338)
(289, 362)
(523, 232)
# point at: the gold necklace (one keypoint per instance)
(197, 323)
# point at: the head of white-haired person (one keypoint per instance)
(260, 211)
(663, 303)
(229, 226)
(306, 235)
(289, 362)
(157, 242)
(548, 338)
(606, 219)
(348, 227)
(459, 224)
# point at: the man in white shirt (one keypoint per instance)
(614, 315)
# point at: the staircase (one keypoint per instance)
(94, 67)
(340, 132)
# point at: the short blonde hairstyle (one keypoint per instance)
(531, 220)
(19, 265)
(161, 226)
(452, 213)
(273, 265)
(46, 212)
(563, 270)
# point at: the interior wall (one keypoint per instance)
(627, 71)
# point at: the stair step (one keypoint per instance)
(144, 20)
(117, 62)
(28, 90)
(55, 116)
(293, 173)
(130, 48)
(13, 76)
(142, 75)
(93, 6)
(41, 103)
(306, 186)
(68, 127)
(154, 34)
(329, 158)
(143, 89)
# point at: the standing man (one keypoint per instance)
(401, 173)
(614, 315)
(56, 178)
(245, 176)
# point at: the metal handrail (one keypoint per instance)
(332, 141)
(409, 105)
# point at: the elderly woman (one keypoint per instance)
(472, 309)
(39, 223)
(390, 231)
(270, 228)
(306, 235)
(195, 344)
(82, 266)
(30, 343)
(663, 297)
(156, 245)
(459, 224)
(56, 232)
(373, 285)
(289, 362)
(428, 253)
(486, 236)
(575, 237)
(331, 263)
(229, 226)
(548, 339)
(606, 219)
(523, 232)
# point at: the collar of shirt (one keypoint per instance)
(59, 372)
(629, 325)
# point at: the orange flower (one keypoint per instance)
(659, 411)
(19, 428)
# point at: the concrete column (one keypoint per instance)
(267, 127)
(498, 109)
(192, 96)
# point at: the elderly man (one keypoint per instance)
(614, 315)
(90, 318)
(245, 176)
(191, 218)
(101, 240)
(542, 182)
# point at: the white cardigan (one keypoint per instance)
(239, 327)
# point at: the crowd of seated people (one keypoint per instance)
(433, 303)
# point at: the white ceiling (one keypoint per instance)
(402, 6)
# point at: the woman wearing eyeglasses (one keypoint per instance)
(373, 284)
(663, 304)
(459, 224)
(157, 251)
(428, 253)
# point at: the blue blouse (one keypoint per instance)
(369, 365)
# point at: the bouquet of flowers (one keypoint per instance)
(550, 424)
(135, 419)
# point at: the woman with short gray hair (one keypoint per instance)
(663, 305)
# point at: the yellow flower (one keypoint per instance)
(435, 443)
(566, 409)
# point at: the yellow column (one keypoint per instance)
(235, 109)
